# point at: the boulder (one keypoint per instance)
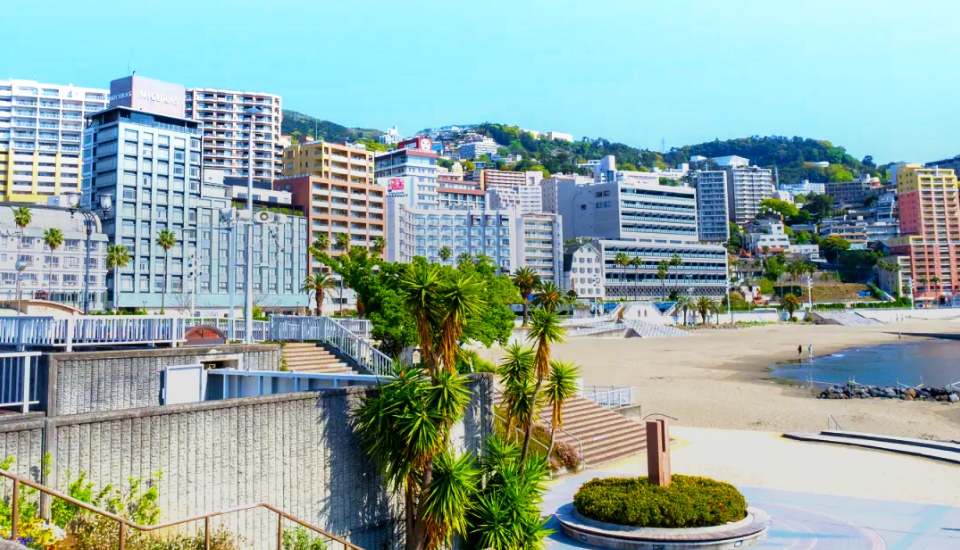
(910, 392)
(953, 398)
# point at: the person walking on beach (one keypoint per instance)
(810, 351)
(800, 350)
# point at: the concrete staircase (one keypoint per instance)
(314, 358)
(606, 435)
(845, 318)
(643, 329)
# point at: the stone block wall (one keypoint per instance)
(124, 379)
(295, 451)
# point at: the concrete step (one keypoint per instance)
(880, 443)
(312, 358)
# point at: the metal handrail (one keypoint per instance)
(126, 523)
(661, 414)
(830, 418)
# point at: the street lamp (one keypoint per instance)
(89, 217)
(248, 285)
(21, 265)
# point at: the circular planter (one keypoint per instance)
(740, 534)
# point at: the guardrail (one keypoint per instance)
(24, 331)
(360, 327)
(612, 397)
(292, 328)
(19, 373)
(261, 329)
(125, 524)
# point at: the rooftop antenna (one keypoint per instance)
(663, 145)
(776, 176)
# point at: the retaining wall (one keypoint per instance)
(295, 451)
(124, 379)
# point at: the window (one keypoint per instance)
(164, 141)
(130, 135)
(144, 283)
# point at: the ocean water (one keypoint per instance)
(934, 363)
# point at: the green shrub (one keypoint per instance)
(688, 501)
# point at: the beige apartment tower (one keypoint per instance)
(335, 185)
(227, 117)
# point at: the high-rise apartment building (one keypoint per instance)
(410, 174)
(145, 154)
(227, 117)
(628, 211)
(528, 198)
(930, 229)
(353, 208)
(543, 246)
(549, 189)
(650, 223)
(504, 178)
(40, 130)
(713, 224)
(476, 149)
(746, 187)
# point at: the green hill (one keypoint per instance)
(793, 157)
(328, 131)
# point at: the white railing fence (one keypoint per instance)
(261, 330)
(612, 397)
(291, 328)
(24, 331)
(19, 380)
(360, 327)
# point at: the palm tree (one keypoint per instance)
(637, 263)
(526, 281)
(705, 306)
(621, 260)
(445, 254)
(684, 304)
(22, 217)
(662, 269)
(561, 386)
(343, 242)
(934, 281)
(166, 239)
(53, 238)
(791, 303)
(321, 243)
(420, 285)
(318, 283)
(550, 297)
(117, 259)
(545, 330)
(379, 245)
(463, 257)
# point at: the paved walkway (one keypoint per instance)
(835, 515)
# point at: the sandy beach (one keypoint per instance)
(716, 378)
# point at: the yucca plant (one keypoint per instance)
(506, 513)
(561, 386)
(545, 330)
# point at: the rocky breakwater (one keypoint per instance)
(863, 391)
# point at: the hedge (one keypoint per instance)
(688, 501)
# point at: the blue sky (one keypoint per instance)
(878, 77)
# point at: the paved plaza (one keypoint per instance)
(819, 496)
